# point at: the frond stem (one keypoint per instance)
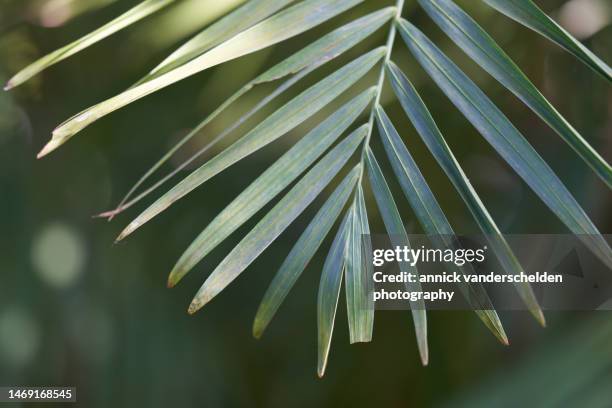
(381, 79)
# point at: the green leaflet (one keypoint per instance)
(432, 218)
(329, 46)
(430, 134)
(278, 219)
(125, 204)
(468, 35)
(301, 254)
(359, 283)
(505, 138)
(274, 126)
(267, 186)
(398, 236)
(284, 25)
(133, 15)
(252, 12)
(299, 64)
(527, 13)
(329, 292)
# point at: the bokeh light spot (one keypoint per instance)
(58, 254)
(584, 18)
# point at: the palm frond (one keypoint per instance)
(322, 154)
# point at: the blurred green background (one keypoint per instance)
(77, 310)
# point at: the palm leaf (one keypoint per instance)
(276, 125)
(432, 218)
(359, 284)
(270, 184)
(479, 45)
(252, 12)
(329, 291)
(284, 25)
(278, 219)
(399, 238)
(301, 254)
(497, 129)
(528, 14)
(262, 23)
(297, 66)
(428, 130)
(330, 45)
(128, 18)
